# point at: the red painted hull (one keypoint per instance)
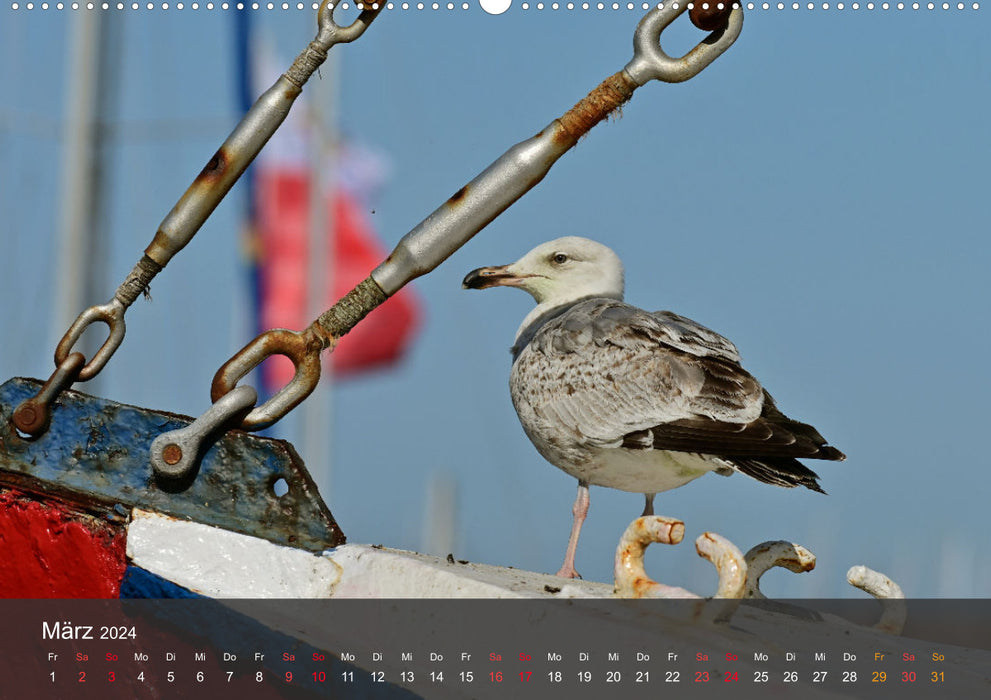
(51, 549)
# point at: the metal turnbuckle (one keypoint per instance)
(470, 210)
(175, 454)
(520, 168)
(201, 198)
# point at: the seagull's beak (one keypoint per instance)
(485, 277)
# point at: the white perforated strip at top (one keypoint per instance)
(493, 7)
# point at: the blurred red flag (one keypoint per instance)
(280, 182)
(282, 230)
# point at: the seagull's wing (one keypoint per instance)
(688, 336)
(611, 375)
(604, 369)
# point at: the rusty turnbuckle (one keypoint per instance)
(469, 210)
(189, 213)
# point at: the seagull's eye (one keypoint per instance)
(559, 258)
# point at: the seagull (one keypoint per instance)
(635, 400)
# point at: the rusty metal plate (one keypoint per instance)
(97, 451)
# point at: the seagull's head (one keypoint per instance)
(558, 272)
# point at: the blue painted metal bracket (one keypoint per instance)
(97, 450)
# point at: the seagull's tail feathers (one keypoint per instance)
(830, 453)
(780, 471)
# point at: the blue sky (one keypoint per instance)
(818, 196)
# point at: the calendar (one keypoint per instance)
(491, 649)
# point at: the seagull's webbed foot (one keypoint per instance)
(579, 511)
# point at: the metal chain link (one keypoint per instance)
(33, 415)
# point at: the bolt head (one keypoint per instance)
(28, 419)
(172, 454)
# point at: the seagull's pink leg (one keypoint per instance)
(579, 510)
